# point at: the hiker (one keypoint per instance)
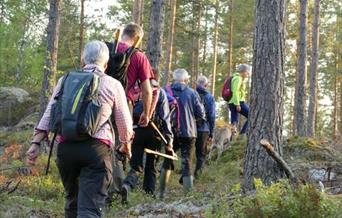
(147, 137)
(190, 111)
(237, 103)
(85, 164)
(138, 71)
(205, 129)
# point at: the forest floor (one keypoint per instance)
(216, 193)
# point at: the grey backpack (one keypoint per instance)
(76, 113)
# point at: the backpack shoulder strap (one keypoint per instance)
(60, 93)
(169, 90)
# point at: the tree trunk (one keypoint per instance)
(313, 73)
(21, 52)
(335, 105)
(155, 36)
(213, 71)
(169, 47)
(340, 123)
(81, 31)
(266, 118)
(198, 8)
(50, 67)
(138, 7)
(301, 73)
(230, 39)
(204, 57)
(192, 47)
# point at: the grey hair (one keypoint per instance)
(95, 52)
(133, 30)
(202, 80)
(244, 68)
(180, 75)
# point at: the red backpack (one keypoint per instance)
(226, 92)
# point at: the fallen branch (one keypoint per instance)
(7, 188)
(269, 148)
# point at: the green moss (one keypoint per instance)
(310, 149)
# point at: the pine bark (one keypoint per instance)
(313, 72)
(230, 39)
(138, 7)
(50, 68)
(300, 96)
(155, 36)
(335, 105)
(214, 62)
(204, 57)
(197, 46)
(267, 91)
(81, 31)
(340, 123)
(169, 46)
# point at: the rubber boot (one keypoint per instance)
(187, 183)
(164, 179)
(124, 193)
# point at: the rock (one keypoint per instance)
(15, 103)
(315, 161)
(28, 122)
(162, 210)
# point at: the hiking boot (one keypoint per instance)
(124, 194)
(164, 178)
(187, 183)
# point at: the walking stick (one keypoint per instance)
(116, 42)
(158, 131)
(149, 151)
(50, 154)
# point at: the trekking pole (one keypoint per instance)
(149, 151)
(158, 131)
(116, 42)
(50, 154)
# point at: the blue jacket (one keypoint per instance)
(191, 109)
(161, 115)
(210, 111)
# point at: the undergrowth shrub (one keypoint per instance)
(282, 200)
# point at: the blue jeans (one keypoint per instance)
(235, 115)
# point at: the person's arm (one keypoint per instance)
(42, 129)
(147, 101)
(211, 115)
(235, 86)
(123, 119)
(164, 115)
(145, 73)
(198, 108)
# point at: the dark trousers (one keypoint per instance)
(144, 138)
(86, 172)
(186, 145)
(118, 170)
(201, 149)
(235, 115)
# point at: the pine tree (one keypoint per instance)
(300, 96)
(266, 118)
(313, 72)
(155, 34)
(50, 67)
